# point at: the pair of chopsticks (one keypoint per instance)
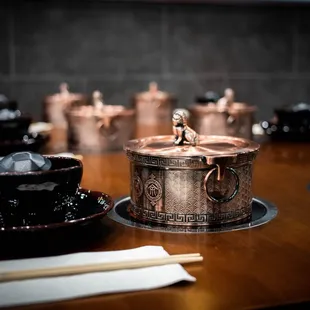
(75, 270)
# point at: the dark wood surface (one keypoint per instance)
(250, 269)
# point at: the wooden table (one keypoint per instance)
(264, 266)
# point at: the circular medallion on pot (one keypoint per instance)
(153, 190)
(137, 186)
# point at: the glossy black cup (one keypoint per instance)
(38, 198)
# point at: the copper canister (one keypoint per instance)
(54, 112)
(99, 127)
(154, 111)
(191, 179)
(225, 117)
(56, 104)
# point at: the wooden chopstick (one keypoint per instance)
(81, 269)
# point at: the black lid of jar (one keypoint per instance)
(6, 103)
(296, 107)
(208, 97)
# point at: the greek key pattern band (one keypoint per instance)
(170, 162)
(190, 219)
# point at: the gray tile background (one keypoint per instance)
(263, 52)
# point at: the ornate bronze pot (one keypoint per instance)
(153, 107)
(55, 107)
(289, 123)
(187, 179)
(56, 104)
(99, 127)
(224, 117)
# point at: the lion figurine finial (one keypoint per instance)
(183, 133)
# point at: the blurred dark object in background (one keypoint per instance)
(14, 129)
(208, 97)
(99, 127)
(154, 110)
(56, 104)
(154, 106)
(290, 123)
(119, 46)
(222, 116)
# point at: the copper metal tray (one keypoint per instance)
(262, 212)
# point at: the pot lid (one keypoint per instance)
(7, 104)
(215, 146)
(99, 108)
(65, 95)
(226, 103)
(235, 107)
(209, 96)
(301, 106)
(107, 111)
(241, 106)
(3, 99)
(186, 143)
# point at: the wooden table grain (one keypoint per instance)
(250, 269)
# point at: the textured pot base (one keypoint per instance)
(262, 212)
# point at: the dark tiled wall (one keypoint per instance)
(262, 52)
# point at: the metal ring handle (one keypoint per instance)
(230, 120)
(104, 130)
(223, 199)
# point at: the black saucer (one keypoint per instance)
(28, 142)
(83, 209)
(262, 212)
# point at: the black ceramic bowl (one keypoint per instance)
(42, 197)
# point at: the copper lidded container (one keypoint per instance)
(223, 117)
(191, 179)
(154, 110)
(99, 127)
(55, 107)
(56, 104)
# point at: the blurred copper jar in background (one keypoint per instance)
(191, 179)
(99, 127)
(223, 116)
(56, 104)
(154, 111)
(54, 112)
